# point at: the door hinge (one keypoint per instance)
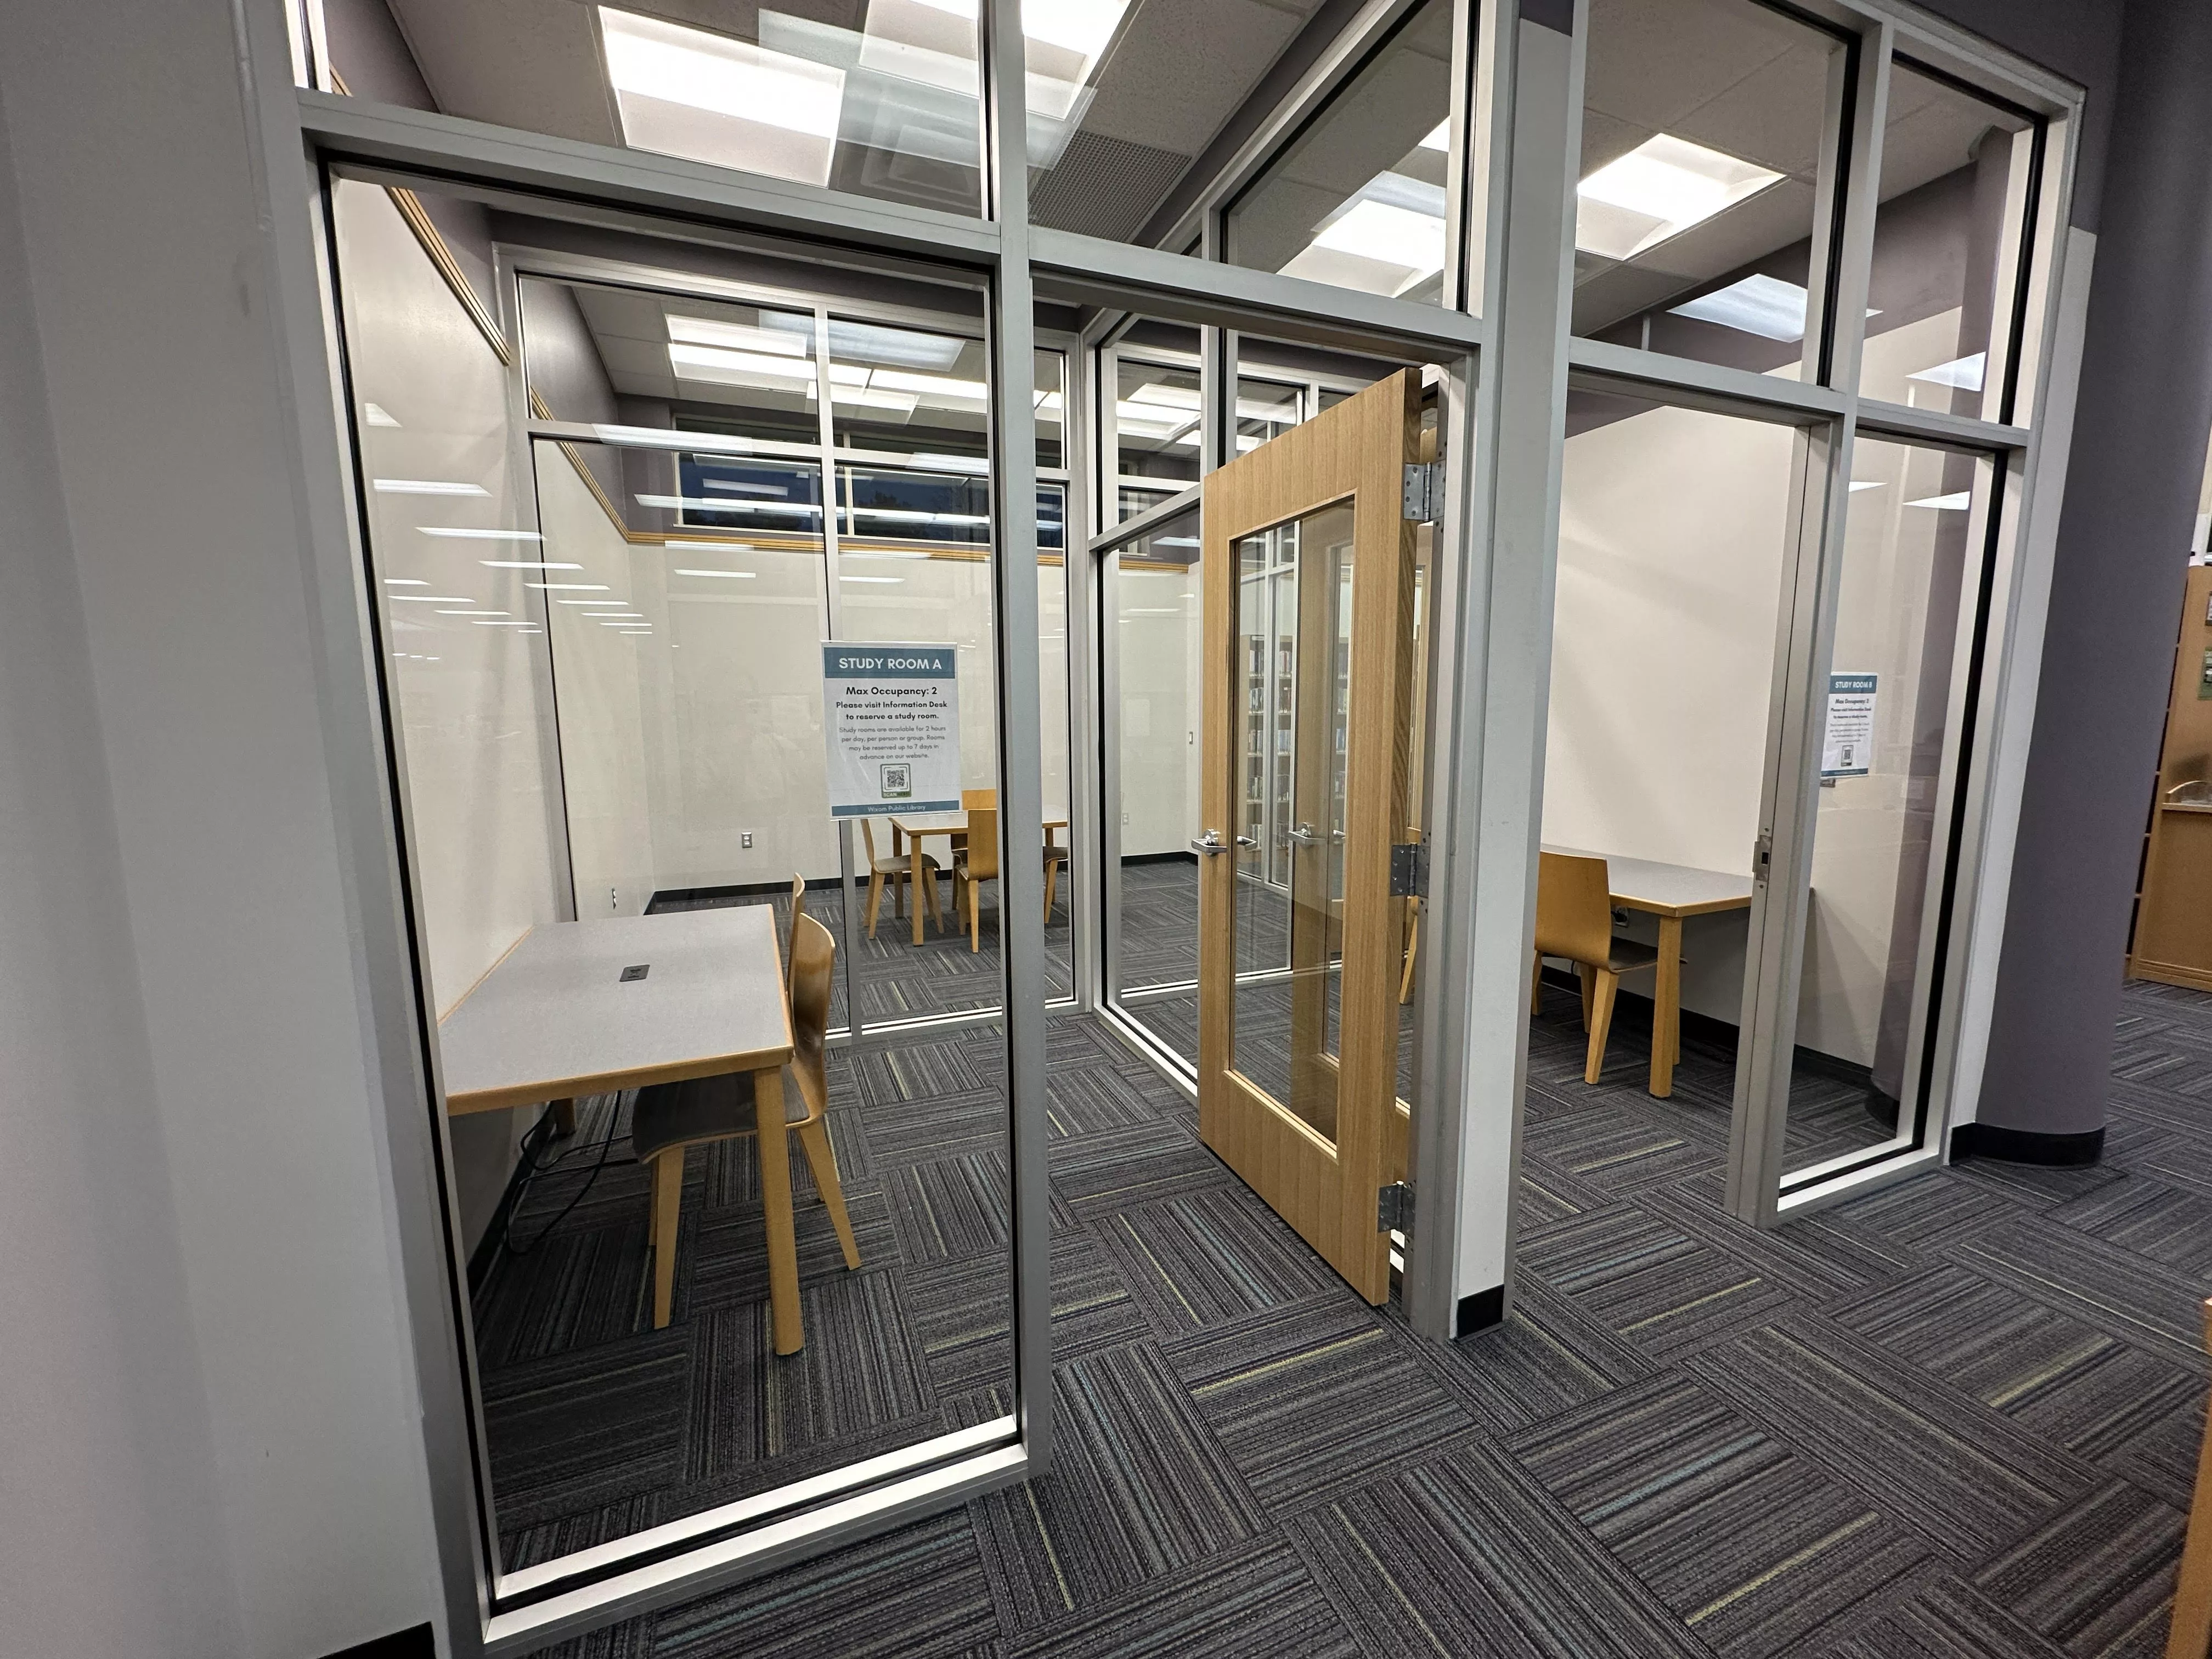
(1409, 870)
(1394, 1207)
(1425, 491)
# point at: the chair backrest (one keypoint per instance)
(983, 840)
(868, 835)
(798, 912)
(1574, 908)
(813, 963)
(972, 799)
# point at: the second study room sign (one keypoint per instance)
(890, 716)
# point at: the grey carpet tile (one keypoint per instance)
(1754, 1546)
(1548, 1196)
(1119, 1168)
(1314, 1400)
(1084, 1097)
(579, 1529)
(2071, 1384)
(972, 1120)
(1811, 1255)
(581, 1286)
(1469, 1555)
(1652, 1284)
(1545, 1357)
(1924, 1212)
(587, 1428)
(2166, 1223)
(961, 1313)
(1927, 1455)
(918, 1593)
(1941, 1616)
(2098, 1579)
(1253, 1602)
(1200, 1257)
(2037, 1186)
(1618, 1153)
(1139, 1487)
(951, 1207)
(2101, 1285)
(929, 1070)
(722, 1253)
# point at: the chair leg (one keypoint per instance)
(667, 1200)
(1051, 884)
(974, 915)
(876, 900)
(1586, 973)
(821, 1159)
(1536, 985)
(1601, 1021)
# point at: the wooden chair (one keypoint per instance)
(978, 863)
(672, 1118)
(1055, 856)
(2188, 1635)
(897, 872)
(1574, 919)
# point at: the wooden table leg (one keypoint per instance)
(915, 865)
(774, 1142)
(1666, 1007)
(564, 1118)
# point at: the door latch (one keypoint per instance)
(1425, 491)
(1762, 855)
(1394, 1207)
(1409, 870)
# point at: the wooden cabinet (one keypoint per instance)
(2172, 938)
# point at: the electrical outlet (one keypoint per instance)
(746, 839)
(1125, 820)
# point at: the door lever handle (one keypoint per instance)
(1303, 835)
(1211, 843)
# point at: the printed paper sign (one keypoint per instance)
(1847, 751)
(891, 717)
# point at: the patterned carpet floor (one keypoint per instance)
(1958, 1418)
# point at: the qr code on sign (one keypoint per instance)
(897, 782)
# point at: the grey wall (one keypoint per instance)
(2138, 460)
(208, 1431)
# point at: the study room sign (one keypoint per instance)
(892, 720)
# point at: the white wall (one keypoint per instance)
(1158, 626)
(1673, 533)
(280, 1507)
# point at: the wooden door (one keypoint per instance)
(1298, 978)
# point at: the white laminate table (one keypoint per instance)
(554, 1019)
(1670, 892)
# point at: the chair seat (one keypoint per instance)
(1628, 956)
(701, 1109)
(902, 867)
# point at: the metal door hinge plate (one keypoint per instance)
(1393, 1208)
(1425, 491)
(1409, 870)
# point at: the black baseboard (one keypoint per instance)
(1158, 858)
(415, 1644)
(1479, 1312)
(742, 889)
(2025, 1145)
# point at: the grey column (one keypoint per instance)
(2138, 460)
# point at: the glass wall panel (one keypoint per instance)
(1707, 168)
(1357, 197)
(1880, 835)
(879, 101)
(1957, 176)
(1676, 528)
(1156, 423)
(604, 686)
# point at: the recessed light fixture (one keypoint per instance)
(871, 579)
(738, 337)
(707, 504)
(428, 599)
(404, 581)
(472, 613)
(678, 544)
(1658, 190)
(528, 564)
(1957, 503)
(655, 437)
(562, 587)
(457, 533)
(518, 622)
(712, 98)
(1759, 304)
(1440, 138)
(374, 414)
(609, 618)
(634, 632)
(1858, 485)
(426, 487)
(599, 603)
(1964, 372)
(738, 576)
(720, 366)
(1388, 240)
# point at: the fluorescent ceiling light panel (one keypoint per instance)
(899, 348)
(1958, 503)
(480, 535)
(738, 337)
(376, 414)
(472, 613)
(677, 545)
(653, 437)
(871, 579)
(1858, 485)
(1658, 190)
(707, 504)
(1440, 138)
(1759, 304)
(565, 587)
(429, 598)
(720, 366)
(1964, 372)
(528, 564)
(598, 604)
(735, 575)
(426, 487)
(1166, 396)
(710, 98)
(404, 581)
(1381, 243)
(482, 623)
